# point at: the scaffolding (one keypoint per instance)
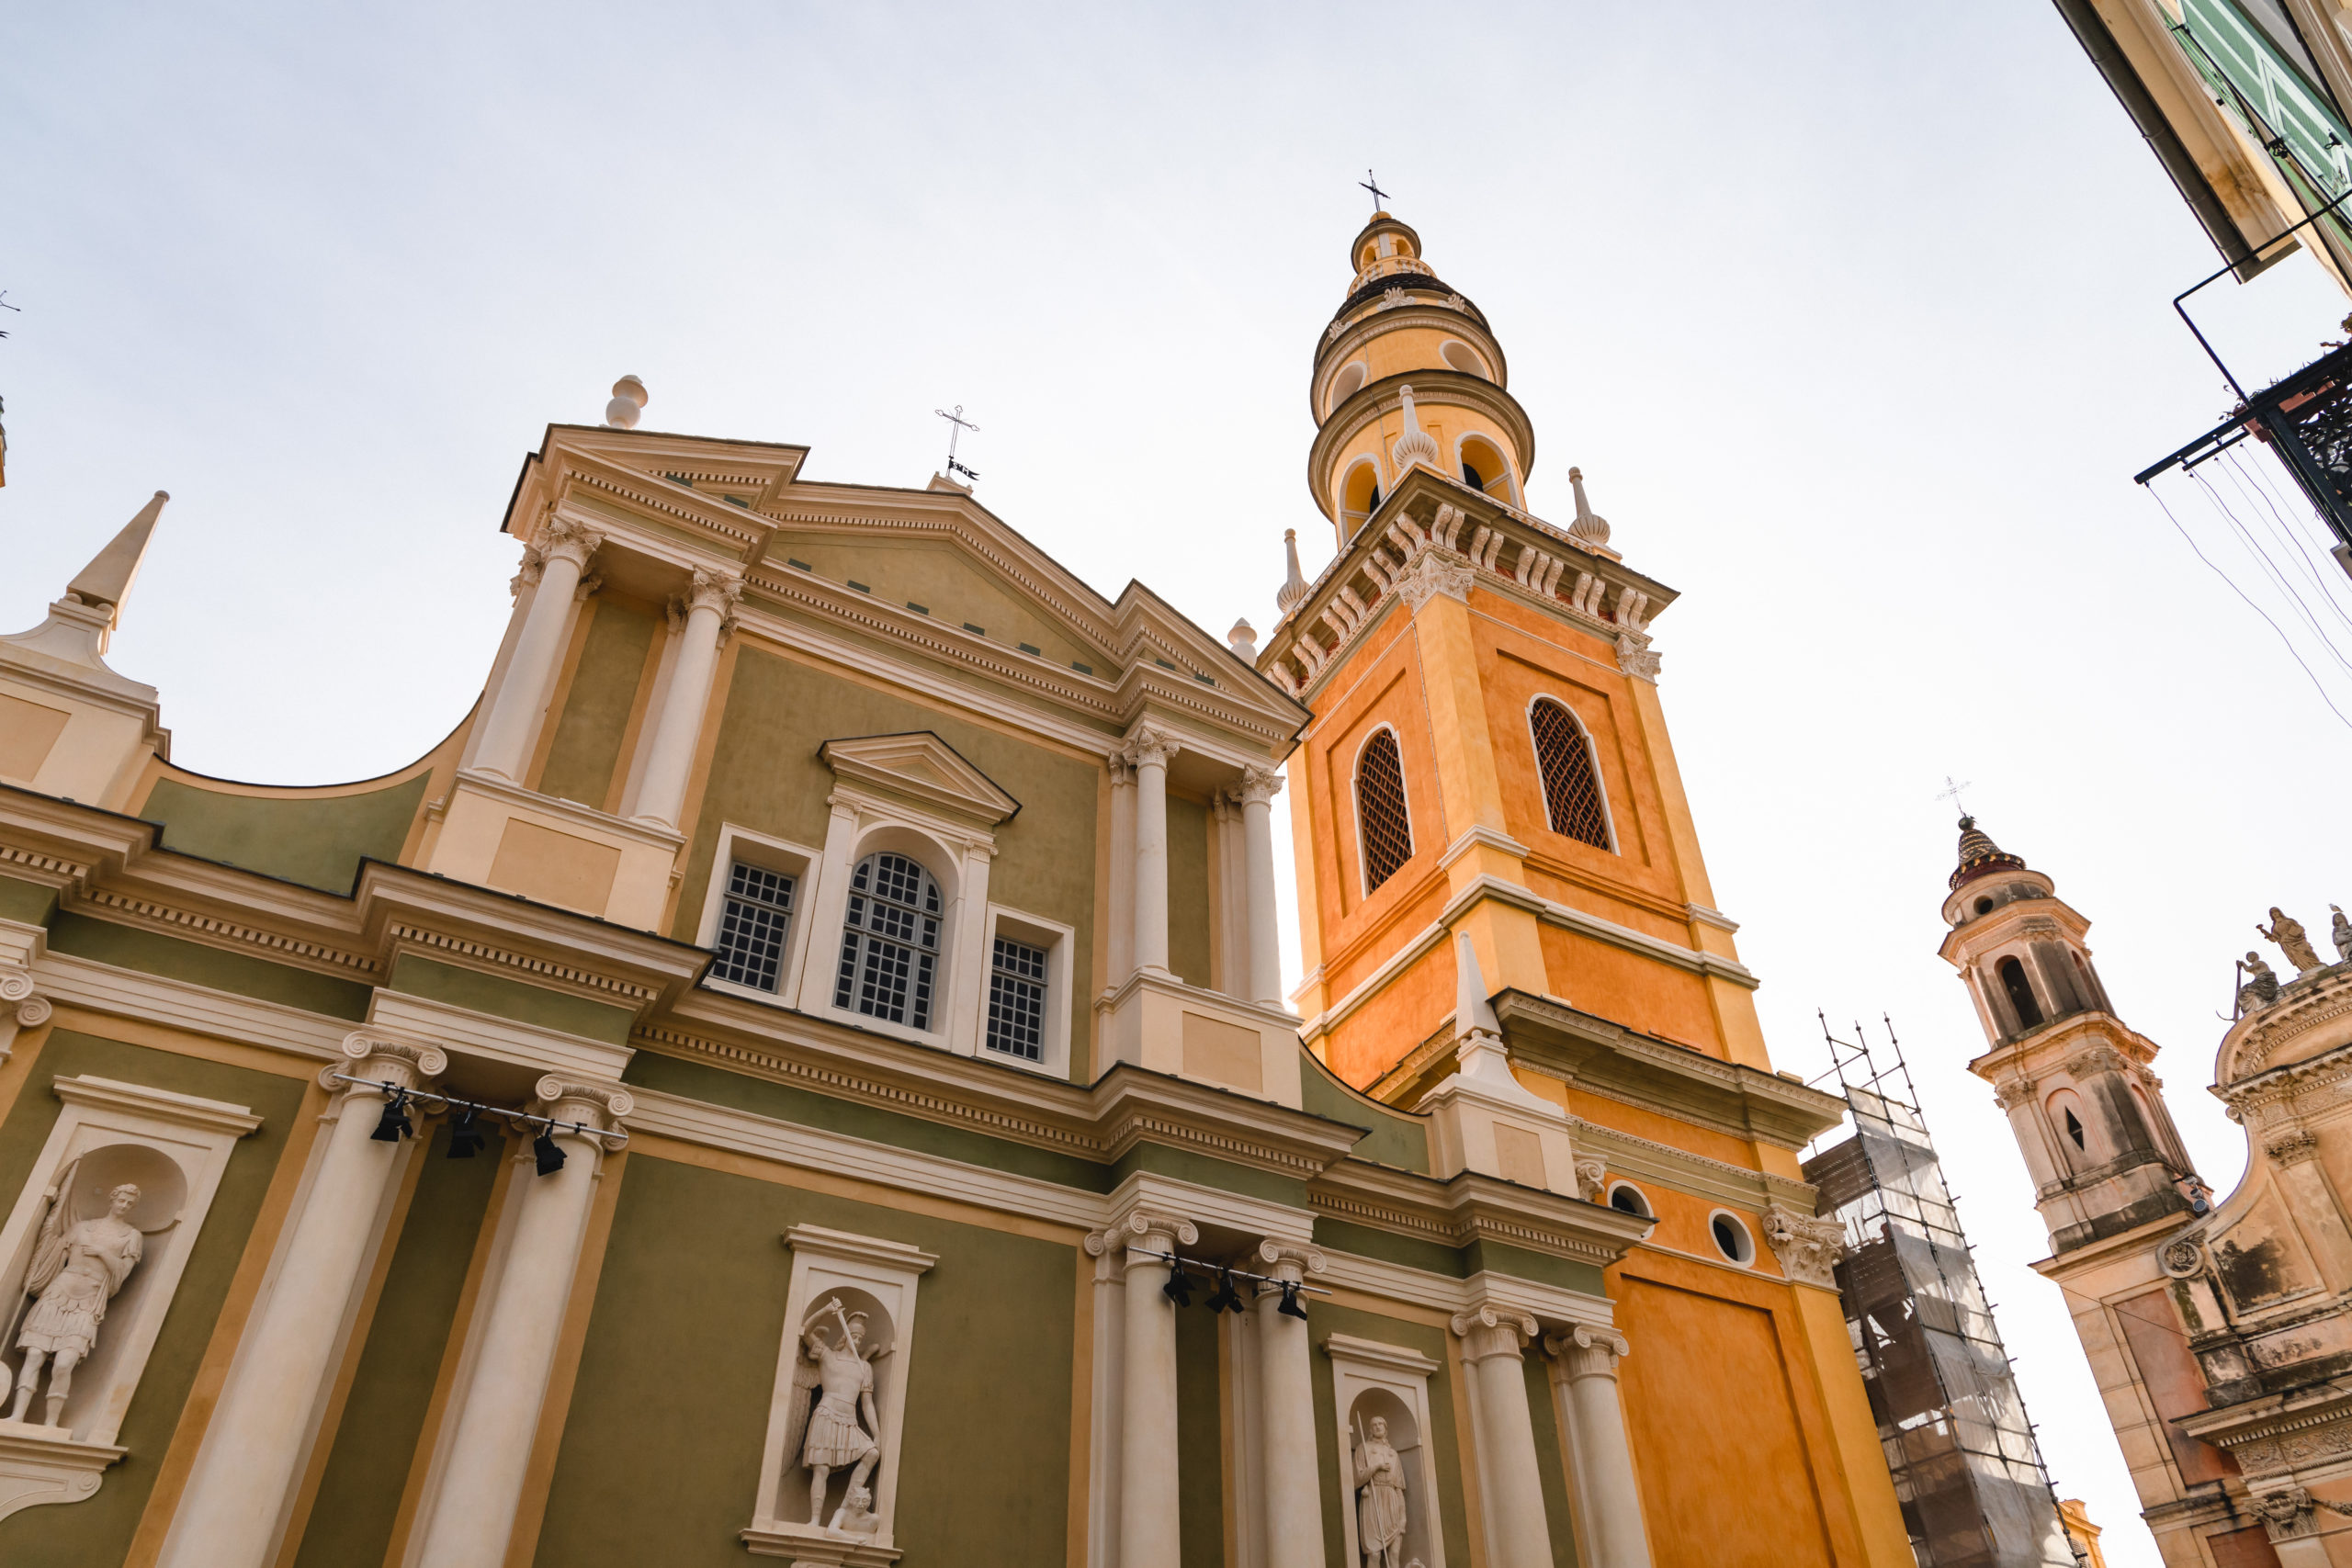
(1967, 1468)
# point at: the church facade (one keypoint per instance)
(2218, 1330)
(802, 1071)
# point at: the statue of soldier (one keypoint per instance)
(842, 1381)
(77, 1269)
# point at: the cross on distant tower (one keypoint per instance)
(1951, 792)
(1371, 183)
(958, 425)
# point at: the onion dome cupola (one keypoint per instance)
(1409, 373)
(1989, 877)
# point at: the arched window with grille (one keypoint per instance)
(1384, 825)
(891, 942)
(1572, 799)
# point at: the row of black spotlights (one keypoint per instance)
(1179, 1287)
(467, 1137)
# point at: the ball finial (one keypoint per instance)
(628, 401)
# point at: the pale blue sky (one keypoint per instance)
(1855, 316)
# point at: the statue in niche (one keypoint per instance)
(2260, 987)
(1380, 1499)
(2288, 932)
(832, 1389)
(2341, 933)
(77, 1268)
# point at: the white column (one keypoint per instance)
(1149, 1522)
(1151, 750)
(564, 547)
(1609, 1503)
(1518, 1534)
(970, 959)
(1108, 1248)
(1121, 953)
(675, 625)
(827, 905)
(246, 1468)
(1292, 1487)
(1258, 787)
(498, 1414)
(1229, 966)
(669, 753)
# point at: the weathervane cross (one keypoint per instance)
(958, 425)
(1951, 792)
(1371, 183)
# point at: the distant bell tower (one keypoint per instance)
(2088, 1114)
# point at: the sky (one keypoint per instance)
(1857, 318)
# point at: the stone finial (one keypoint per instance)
(1416, 446)
(2260, 987)
(106, 582)
(1474, 1015)
(629, 402)
(1591, 529)
(1243, 639)
(1294, 587)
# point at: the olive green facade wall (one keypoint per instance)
(125, 947)
(945, 581)
(100, 1530)
(375, 1442)
(26, 902)
(587, 746)
(317, 840)
(1188, 891)
(660, 1453)
(1200, 1439)
(502, 997)
(1392, 1137)
(766, 775)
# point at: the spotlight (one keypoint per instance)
(1179, 1287)
(551, 1157)
(465, 1134)
(394, 1124)
(1227, 1298)
(1290, 1307)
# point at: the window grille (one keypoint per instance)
(1571, 788)
(752, 927)
(1017, 1000)
(1384, 824)
(891, 942)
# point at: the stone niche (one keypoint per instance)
(835, 1276)
(1388, 1382)
(173, 1148)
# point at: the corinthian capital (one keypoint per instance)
(566, 538)
(714, 588)
(1434, 573)
(1259, 785)
(1149, 748)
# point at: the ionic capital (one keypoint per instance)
(596, 1108)
(1290, 1263)
(381, 1059)
(1146, 1231)
(1492, 1331)
(1259, 785)
(1584, 1351)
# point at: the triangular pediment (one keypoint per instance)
(747, 475)
(921, 766)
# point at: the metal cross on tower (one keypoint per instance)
(1951, 792)
(958, 425)
(1371, 183)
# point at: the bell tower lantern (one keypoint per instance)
(1409, 373)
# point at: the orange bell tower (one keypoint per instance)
(1488, 773)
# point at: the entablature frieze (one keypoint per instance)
(2306, 1006)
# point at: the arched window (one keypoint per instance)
(1383, 827)
(891, 942)
(1359, 496)
(1484, 468)
(1571, 788)
(2020, 991)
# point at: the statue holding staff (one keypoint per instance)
(1380, 1499)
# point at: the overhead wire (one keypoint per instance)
(2190, 540)
(2312, 534)
(2270, 569)
(2287, 539)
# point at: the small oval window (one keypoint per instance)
(1984, 905)
(1464, 358)
(1626, 1199)
(1732, 1238)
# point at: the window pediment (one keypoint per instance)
(922, 767)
